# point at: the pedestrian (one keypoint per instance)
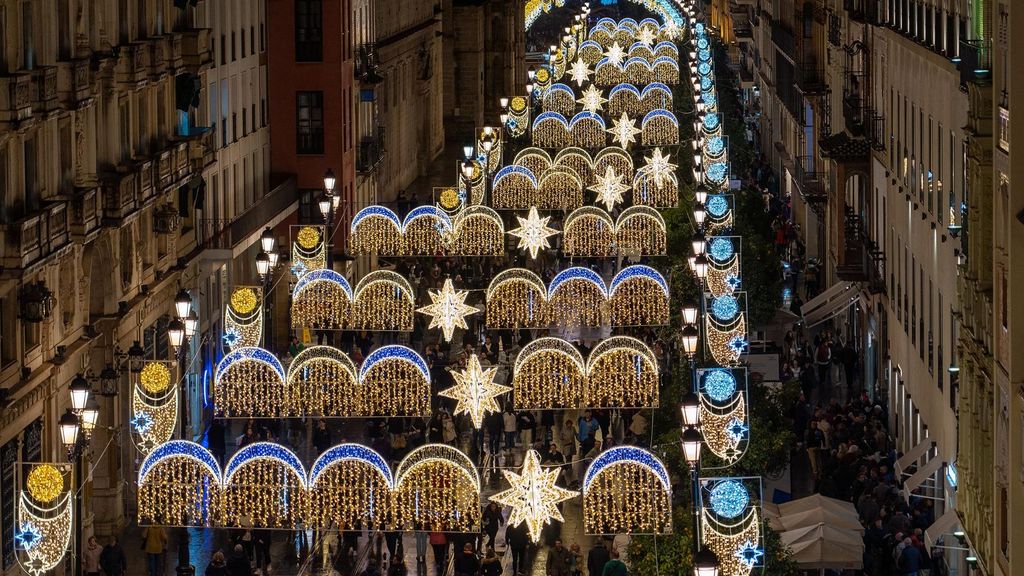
(421, 546)
(517, 541)
(615, 567)
(439, 543)
(559, 562)
(154, 543)
(491, 564)
(218, 565)
(321, 437)
(597, 558)
(261, 546)
(215, 439)
(527, 424)
(587, 432)
(448, 433)
(823, 358)
(509, 423)
(492, 521)
(238, 564)
(576, 560)
(495, 426)
(91, 557)
(466, 563)
(112, 559)
(397, 567)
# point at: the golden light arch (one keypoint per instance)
(576, 297)
(384, 300)
(179, 485)
(349, 488)
(516, 298)
(537, 160)
(627, 490)
(578, 160)
(548, 374)
(264, 486)
(479, 231)
(322, 381)
(321, 299)
(588, 232)
(436, 488)
(249, 382)
(622, 372)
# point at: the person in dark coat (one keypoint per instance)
(321, 437)
(112, 559)
(218, 566)
(466, 563)
(559, 561)
(597, 558)
(492, 521)
(215, 440)
(517, 540)
(238, 564)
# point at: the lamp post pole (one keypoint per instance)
(179, 332)
(329, 182)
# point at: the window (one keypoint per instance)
(309, 122)
(8, 346)
(27, 49)
(309, 31)
(64, 151)
(1004, 128)
(223, 49)
(4, 186)
(31, 175)
(225, 103)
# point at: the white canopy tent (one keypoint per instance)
(825, 547)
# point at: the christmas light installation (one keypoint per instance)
(559, 98)
(624, 131)
(590, 52)
(658, 167)
(548, 373)
(448, 309)
(654, 96)
(666, 69)
(516, 298)
(478, 231)
(577, 161)
(576, 297)
(627, 489)
(624, 98)
(533, 232)
(475, 391)
(155, 377)
(615, 157)
(723, 412)
(729, 498)
(349, 488)
(264, 483)
(155, 416)
(179, 484)
(321, 299)
(638, 71)
(534, 496)
(383, 300)
(396, 381)
(592, 100)
(309, 252)
(536, 160)
(638, 296)
(43, 533)
(44, 483)
(640, 230)
(580, 72)
(436, 485)
(730, 523)
(646, 36)
(243, 316)
(610, 187)
(248, 382)
(615, 54)
(660, 128)
(588, 231)
(324, 381)
(561, 188)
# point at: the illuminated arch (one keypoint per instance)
(265, 487)
(249, 382)
(638, 71)
(607, 73)
(479, 231)
(624, 98)
(624, 35)
(534, 159)
(647, 192)
(666, 69)
(622, 372)
(641, 50)
(655, 95)
(660, 128)
(383, 300)
(396, 382)
(437, 486)
(627, 489)
(551, 130)
(617, 158)
(588, 232)
(322, 381)
(666, 49)
(576, 297)
(349, 488)
(590, 52)
(514, 187)
(548, 374)
(602, 36)
(375, 230)
(559, 98)
(321, 298)
(640, 230)
(588, 130)
(424, 230)
(516, 298)
(578, 160)
(179, 485)
(560, 189)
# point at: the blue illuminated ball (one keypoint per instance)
(721, 249)
(725, 307)
(729, 498)
(717, 205)
(719, 385)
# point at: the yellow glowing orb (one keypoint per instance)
(308, 237)
(449, 198)
(45, 483)
(243, 300)
(542, 75)
(155, 377)
(518, 104)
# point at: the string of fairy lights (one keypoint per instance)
(603, 98)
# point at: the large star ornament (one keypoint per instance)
(533, 232)
(448, 309)
(615, 54)
(646, 36)
(533, 496)
(592, 99)
(475, 391)
(580, 72)
(609, 188)
(658, 167)
(624, 130)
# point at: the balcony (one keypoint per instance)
(85, 213)
(810, 80)
(224, 235)
(975, 63)
(811, 180)
(743, 33)
(74, 82)
(863, 11)
(44, 88)
(861, 259)
(783, 38)
(120, 191)
(15, 98)
(132, 67)
(29, 241)
(195, 49)
(371, 152)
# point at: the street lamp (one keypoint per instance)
(503, 101)
(698, 243)
(690, 336)
(80, 389)
(191, 325)
(699, 214)
(689, 314)
(183, 302)
(324, 203)
(90, 416)
(263, 264)
(690, 408)
(467, 151)
(700, 267)
(692, 442)
(176, 333)
(68, 425)
(329, 181)
(700, 195)
(705, 563)
(267, 241)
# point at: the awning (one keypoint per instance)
(912, 456)
(946, 524)
(923, 473)
(829, 303)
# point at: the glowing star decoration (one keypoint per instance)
(448, 309)
(609, 188)
(580, 72)
(737, 430)
(533, 232)
(475, 391)
(592, 99)
(658, 167)
(298, 269)
(615, 54)
(749, 554)
(141, 422)
(231, 337)
(533, 496)
(738, 345)
(646, 36)
(27, 537)
(624, 130)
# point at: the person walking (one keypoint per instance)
(218, 565)
(439, 543)
(517, 541)
(491, 564)
(321, 437)
(510, 425)
(615, 567)
(466, 563)
(597, 558)
(238, 564)
(492, 521)
(559, 561)
(576, 560)
(112, 559)
(91, 557)
(154, 544)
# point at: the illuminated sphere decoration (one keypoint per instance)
(44, 483)
(729, 498)
(155, 377)
(725, 307)
(719, 385)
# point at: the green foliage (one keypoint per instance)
(771, 430)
